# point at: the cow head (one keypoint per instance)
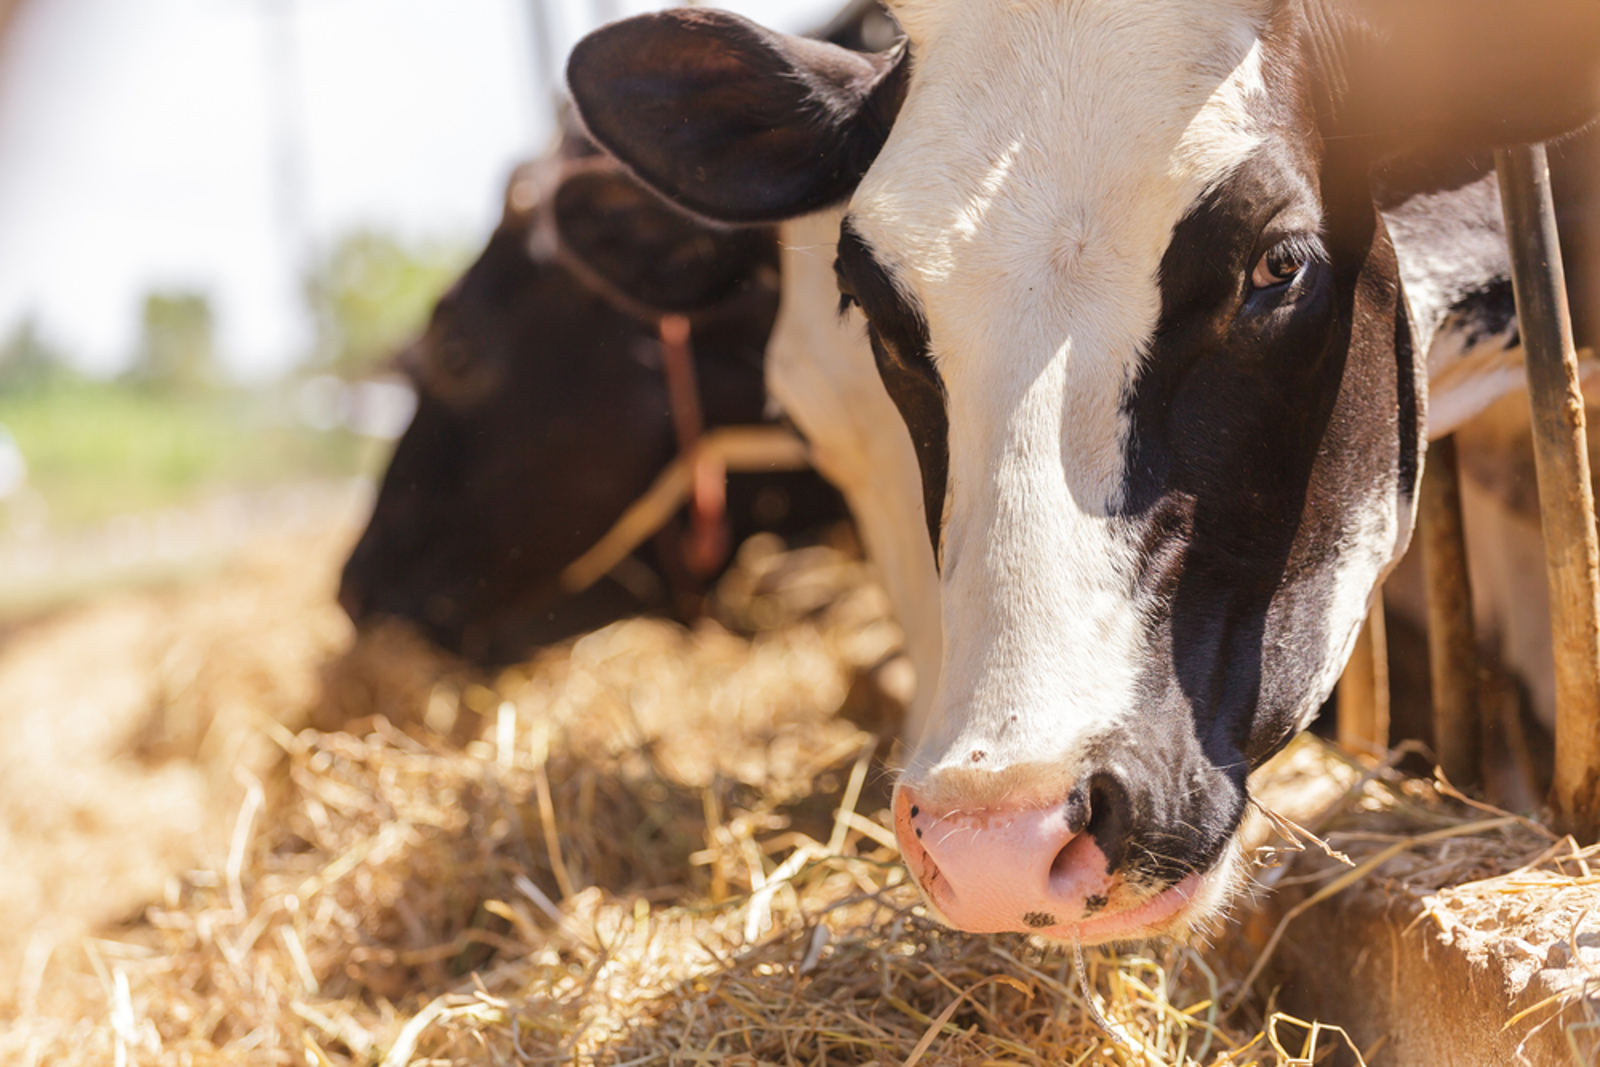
(1127, 283)
(543, 412)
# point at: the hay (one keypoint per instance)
(649, 846)
(123, 725)
(401, 907)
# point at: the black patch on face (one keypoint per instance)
(1093, 903)
(899, 337)
(1227, 416)
(1262, 421)
(1038, 920)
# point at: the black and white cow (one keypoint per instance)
(543, 409)
(1130, 270)
(543, 414)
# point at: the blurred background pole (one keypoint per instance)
(549, 72)
(1452, 648)
(290, 167)
(282, 54)
(1566, 498)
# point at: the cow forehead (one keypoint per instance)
(1043, 155)
(1031, 183)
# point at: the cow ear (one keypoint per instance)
(733, 121)
(1459, 74)
(647, 251)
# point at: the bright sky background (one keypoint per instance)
(207, 144)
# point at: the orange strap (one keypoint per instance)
(707, 545)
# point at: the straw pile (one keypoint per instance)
(122, 727)
(650, 846)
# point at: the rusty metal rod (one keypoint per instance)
(1364, 689)
(1452, 650)
(1566, 499)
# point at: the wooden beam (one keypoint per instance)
(1452, 649)
(1364, 689)
(1566, 499)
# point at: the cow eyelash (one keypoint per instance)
(1306, 246)
(847, 296)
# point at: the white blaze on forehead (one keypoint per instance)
(1023, 202)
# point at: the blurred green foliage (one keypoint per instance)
(372, 293)
(171, 428)
(27, 361)
(96, 449)
(177, 346)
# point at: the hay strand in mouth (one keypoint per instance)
(1095, 1011)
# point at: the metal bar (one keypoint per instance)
(1364, 689)
(1566, 499)
(1452, 650)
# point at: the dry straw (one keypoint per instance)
(650, 847)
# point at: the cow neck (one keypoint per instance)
(707, 545)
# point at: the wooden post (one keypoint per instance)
(1364, 689)
(1452, 650)
(1566, 500)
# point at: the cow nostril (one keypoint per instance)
(1061, 866)
(1077, 809)
(1109, 823)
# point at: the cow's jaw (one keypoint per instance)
(1022, 208)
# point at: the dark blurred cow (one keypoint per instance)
(543, 411)
(543, 414)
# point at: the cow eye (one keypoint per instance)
(847, 293)
(1282, 263)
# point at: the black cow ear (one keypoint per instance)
(649, 252)
(733, 121)
(1458, 74)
